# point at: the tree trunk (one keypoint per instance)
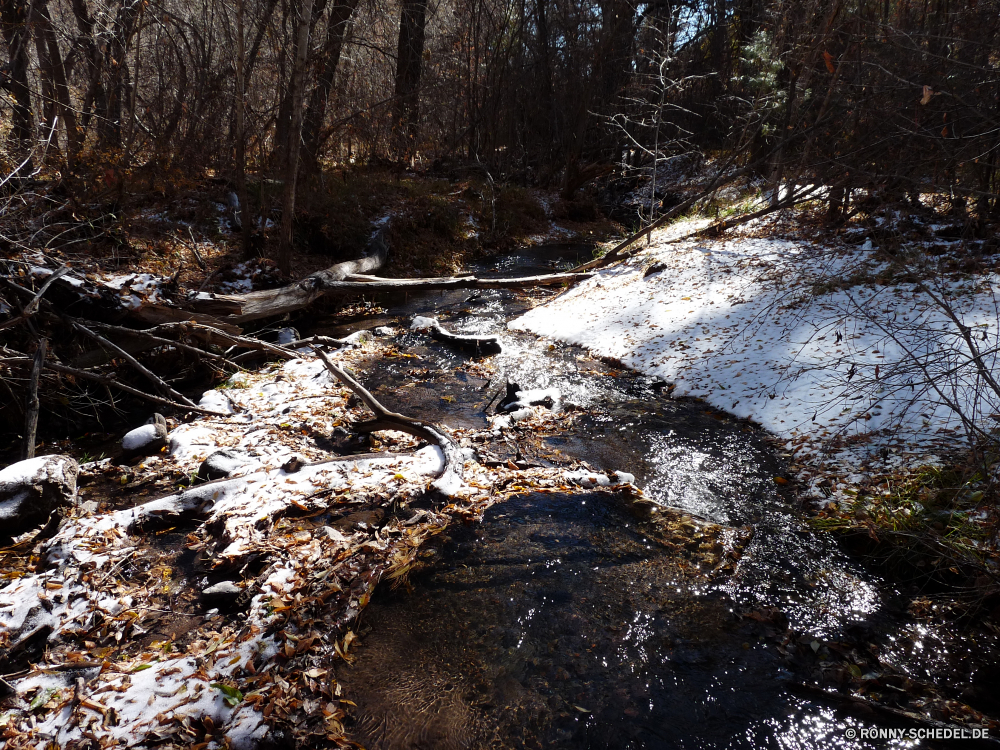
(336, 31)
(117, 67)
(410, 53)
(13, 24)
(54, 70)
(94, 101)
(295, 94)
(241, 133)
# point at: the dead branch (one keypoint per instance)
(31, 422)
(618, 251)
(451, 472)
(194, 251)
(151, 340)
(110, 381)
(150, 375)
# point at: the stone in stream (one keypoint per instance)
(30, 490)
(223, 462)
(145, 440)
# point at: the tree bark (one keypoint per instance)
(296, 91)
(241, 133)
(54, 69)
(337, 26)
(31, 421)
(13, 22)
(409, 63)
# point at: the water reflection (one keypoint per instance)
(502, 646)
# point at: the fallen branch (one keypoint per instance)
(151, 340)
(275, 302)
(109, 381)
(712, 230)
(618, 251)
(379, 283)
(450, 476)
(155, 379)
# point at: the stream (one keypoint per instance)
(558, 621)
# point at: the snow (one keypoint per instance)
(589, 479)
(137, 288)
(799, 337)
(23, 472)
(139, 437)
(422, 323)
(216, 401)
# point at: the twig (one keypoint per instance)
(31, 422)
(134, 362)
(194, 251)
(108, 381)
(32, 306)
(145, 334)
(451, 471)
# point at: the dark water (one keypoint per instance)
(559, 621)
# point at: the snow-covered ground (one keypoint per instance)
(800, 337)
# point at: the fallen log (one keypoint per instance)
(276, 302)
(476, 344)
(243, 308)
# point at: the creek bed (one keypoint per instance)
(557, 622)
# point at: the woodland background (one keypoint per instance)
(876, 100)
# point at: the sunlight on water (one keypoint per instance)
(557, 623)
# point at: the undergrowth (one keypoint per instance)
(929, 525)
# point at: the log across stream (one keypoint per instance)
(560, 621)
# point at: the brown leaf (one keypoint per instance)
(829, 62)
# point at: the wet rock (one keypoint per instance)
(343, 443)
(222, 595)
(145, 440)
(30, 490)
(223, 462)
(653, 268)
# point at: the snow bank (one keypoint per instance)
(795, 336)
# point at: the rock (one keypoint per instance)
(223, 462)
(216, 401)
(30, 490)
(145, 440)
(223, 594)
(287, 336)
(364, 520)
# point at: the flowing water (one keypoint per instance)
(559, 621)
